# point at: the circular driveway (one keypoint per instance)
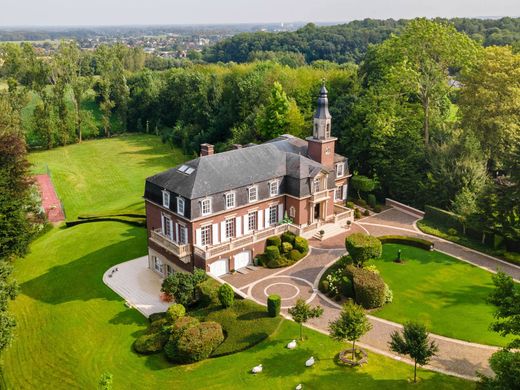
(289, 288)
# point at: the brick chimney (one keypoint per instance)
(206, 150)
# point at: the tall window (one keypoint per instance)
(166, 199)
(180, 206)
(169, 270)
(205, 235)
(230, 200)
(340, 169)
(252, 220)
(292, 212)
(273, 215)
(157, 264)
(183, 235)
(230, 228)
(167, 227)
(205, 206)
(316, 185)
(273, 188)
(338, 193)
(253, 194)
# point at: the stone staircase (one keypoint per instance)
(330, 229)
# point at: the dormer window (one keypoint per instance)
(166, 199)
(230, 200)
(316, 184)
(253, 194)
(273, 188)
(180, 206)
(340, 169)
(205, 206)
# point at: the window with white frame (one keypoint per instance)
(340, 169)
(169, 270)
(338, 193)
(180, 206)
(167, 226)
(183, 235)
(230, 228)
(253, 194)
(230, 200)
(205, 235)
(157, 264)
(252, 220)
(166, 199)
(205, 206)
(316, 184)
(273, 188)
(273, 215)
(292, 212)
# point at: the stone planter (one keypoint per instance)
(345, 357)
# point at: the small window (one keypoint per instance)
(292, 212)
(253, 194)
(183, 235)
(157, 264)
(166, 199)
(180, 206)
(273, 188)
(252, 220)
(338, 193)
(316, 185)
(340, 169)
(230, 228)
(205, 206)
(230, 200)
(169, 270)
(205, 235)
(167, 227)
(327, 130)
(273, 215)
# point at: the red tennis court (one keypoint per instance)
(50, 201)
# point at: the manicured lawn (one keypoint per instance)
(446, 294)
(105, 174)
(72, 328)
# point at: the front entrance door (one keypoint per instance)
(317, 211)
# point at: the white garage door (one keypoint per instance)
(219, 267)
(242, 259)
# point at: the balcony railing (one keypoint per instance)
(320, 196)
(209, 251)
(182, 251)
(342, 214)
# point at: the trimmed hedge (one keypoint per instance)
(286, 247)
(411, 241)
(272, 253)
(140, 222)
(295, 255)
(362, 247)
(197, 343)
(274, 303)
(288, 237)
(369, 289)
(150, 343)
(279, 262)
(446, 218)
(301, 244)
(273, 241)
(226, 295)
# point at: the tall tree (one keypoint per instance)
(302, 312)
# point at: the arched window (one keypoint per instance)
(327, 131)
(292, 212)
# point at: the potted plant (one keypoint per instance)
(322, 233)
(349, 222)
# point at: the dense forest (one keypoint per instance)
(350, 41)
(429, 113)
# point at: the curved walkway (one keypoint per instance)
(455, 357)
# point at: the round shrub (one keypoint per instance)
(366, 213)
(177, 330)
(274, 303)
(286, 247)
(273, 241)
(452, 231)
(288, 237)
(207, 292)
(272, 253)
(377, 208)
(301, 244)
(362, 247)
(362, 202)
(347, 287)
(350, 205)
(175, 312)
(295, 255)
(324, 286)
(357, 213)
(150, 343)
(371, 200)
(197, 343)
(369, 289)
(226, 295)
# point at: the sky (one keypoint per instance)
(130, 12)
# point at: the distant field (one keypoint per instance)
(105, 174)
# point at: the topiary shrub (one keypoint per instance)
(197, 343)
(176, 331)
(273, 241)
(362, 247)
(286, 247)
(175, 312)
(371, 200)
(301, 244)
(295, 255)
(369, 289)
(362, 203)
(279, 262)
(366, 213)
(207, 292)
(377, 208)
(274, 303)
(288, 237)
(272, 253)
(226, 295)
(324, 286)
(347, 287)
(357, 213)
(150, 343)
(350, 205)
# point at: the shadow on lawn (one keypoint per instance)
(158, 157)
(463, 295)
(81, 279)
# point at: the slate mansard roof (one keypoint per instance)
(221, 172)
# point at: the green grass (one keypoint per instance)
(107, 174)
(438, 230)
(446, 294)
(72, 328)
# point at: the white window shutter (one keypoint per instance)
(177, 232)
(223, 231)
(259, 220)
(238, 226)
(344, 192)
(246, 224)
(198, 237)
(162, 224)
(280, 212)
(214, 234)
(171, 229)
(266, 212)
